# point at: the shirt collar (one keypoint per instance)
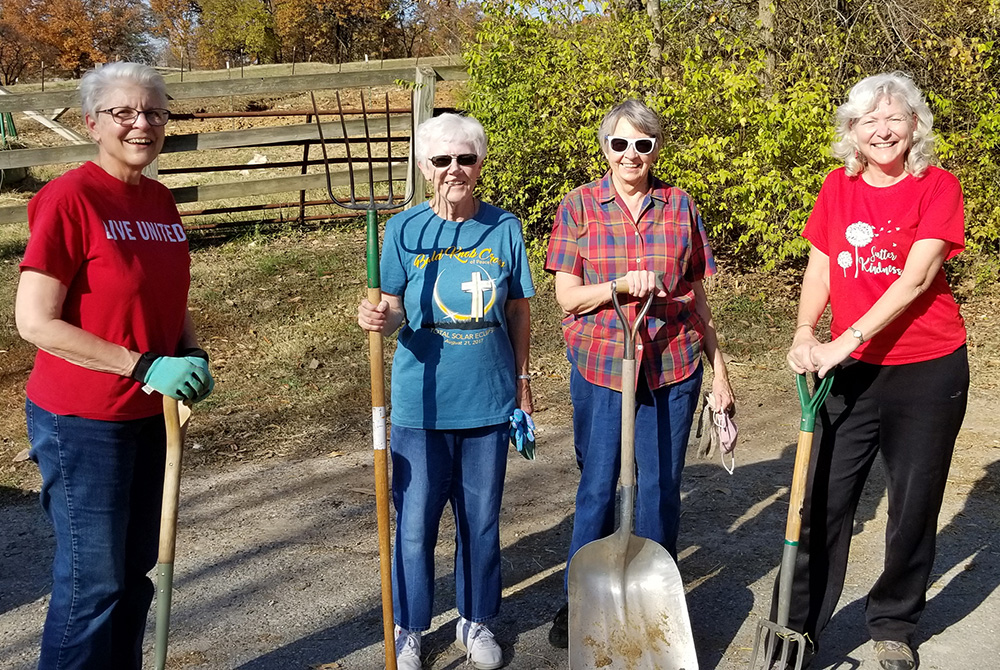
(606, 191)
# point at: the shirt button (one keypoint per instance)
(639, 347)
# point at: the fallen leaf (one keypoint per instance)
(21, 456)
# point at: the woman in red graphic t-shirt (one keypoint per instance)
(881, 230)
(103, 295)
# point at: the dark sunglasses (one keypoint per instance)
(126, 116)
(642, 145)
(463, 159)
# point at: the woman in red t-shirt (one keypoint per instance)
(889, 221)
(103, 295)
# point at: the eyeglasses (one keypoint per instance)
(126, 116)
(444, 161)
(642, 145)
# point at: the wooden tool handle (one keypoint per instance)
(171, 480)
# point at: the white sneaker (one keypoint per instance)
(407, 650)
(480, 648)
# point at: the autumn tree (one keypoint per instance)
(20, 49)
(234, 29)
(73, 35)
(176, 21)
(273, 30)
(430, 27)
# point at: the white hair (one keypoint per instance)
(863, 98)
(639, 116)
(449, 128)
(97, 84)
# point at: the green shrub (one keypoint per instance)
(750, 143)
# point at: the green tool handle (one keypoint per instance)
(811, 404)
(372, 249)
(796, 499)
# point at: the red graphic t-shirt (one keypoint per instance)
(867, 233)
(122, 253)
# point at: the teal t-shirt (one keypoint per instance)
(454, 364)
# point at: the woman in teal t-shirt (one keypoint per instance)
(456, 283)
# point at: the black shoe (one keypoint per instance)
(893, 655)
(559, 633)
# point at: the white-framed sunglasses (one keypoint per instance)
(642, 145)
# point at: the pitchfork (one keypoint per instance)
(379, 440)
(775, 642)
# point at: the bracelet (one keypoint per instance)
(528, 377)
(805, 325)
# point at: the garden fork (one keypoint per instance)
(379, 438)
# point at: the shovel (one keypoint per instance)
(771, 634)
(626, 598)
(176, 416)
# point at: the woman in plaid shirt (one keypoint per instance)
(630, 226)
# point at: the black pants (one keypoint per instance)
(911, 414)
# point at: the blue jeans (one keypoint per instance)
(102, 484)
(431, 468)
(662, 426)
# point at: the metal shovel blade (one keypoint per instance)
(626, 607)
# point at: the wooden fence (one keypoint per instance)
(422, 74)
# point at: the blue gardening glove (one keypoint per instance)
(202, 363)
(181, 378)
(522, 433)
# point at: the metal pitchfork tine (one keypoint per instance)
(371, 207)
(379, 440)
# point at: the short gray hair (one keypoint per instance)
(449, 128)
(641, 117)
(97, 84)
(863, 98)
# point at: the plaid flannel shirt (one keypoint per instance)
(595, 238)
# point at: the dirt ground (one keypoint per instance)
(277, 564)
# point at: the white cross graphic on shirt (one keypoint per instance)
(477, 287)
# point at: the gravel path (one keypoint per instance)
(277, 560)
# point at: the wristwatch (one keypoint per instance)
(857, 333)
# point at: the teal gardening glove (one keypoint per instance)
(184, 377)
(522, 433)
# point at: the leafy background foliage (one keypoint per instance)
(746, 90)
(747, 116)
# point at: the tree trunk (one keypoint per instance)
(765, 14)
(656, 46)
(628, 5)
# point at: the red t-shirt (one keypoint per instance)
(122, 253)
(867, 233)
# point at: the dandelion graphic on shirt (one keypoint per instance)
(845, 261)
(879, 260)
(859, 234)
